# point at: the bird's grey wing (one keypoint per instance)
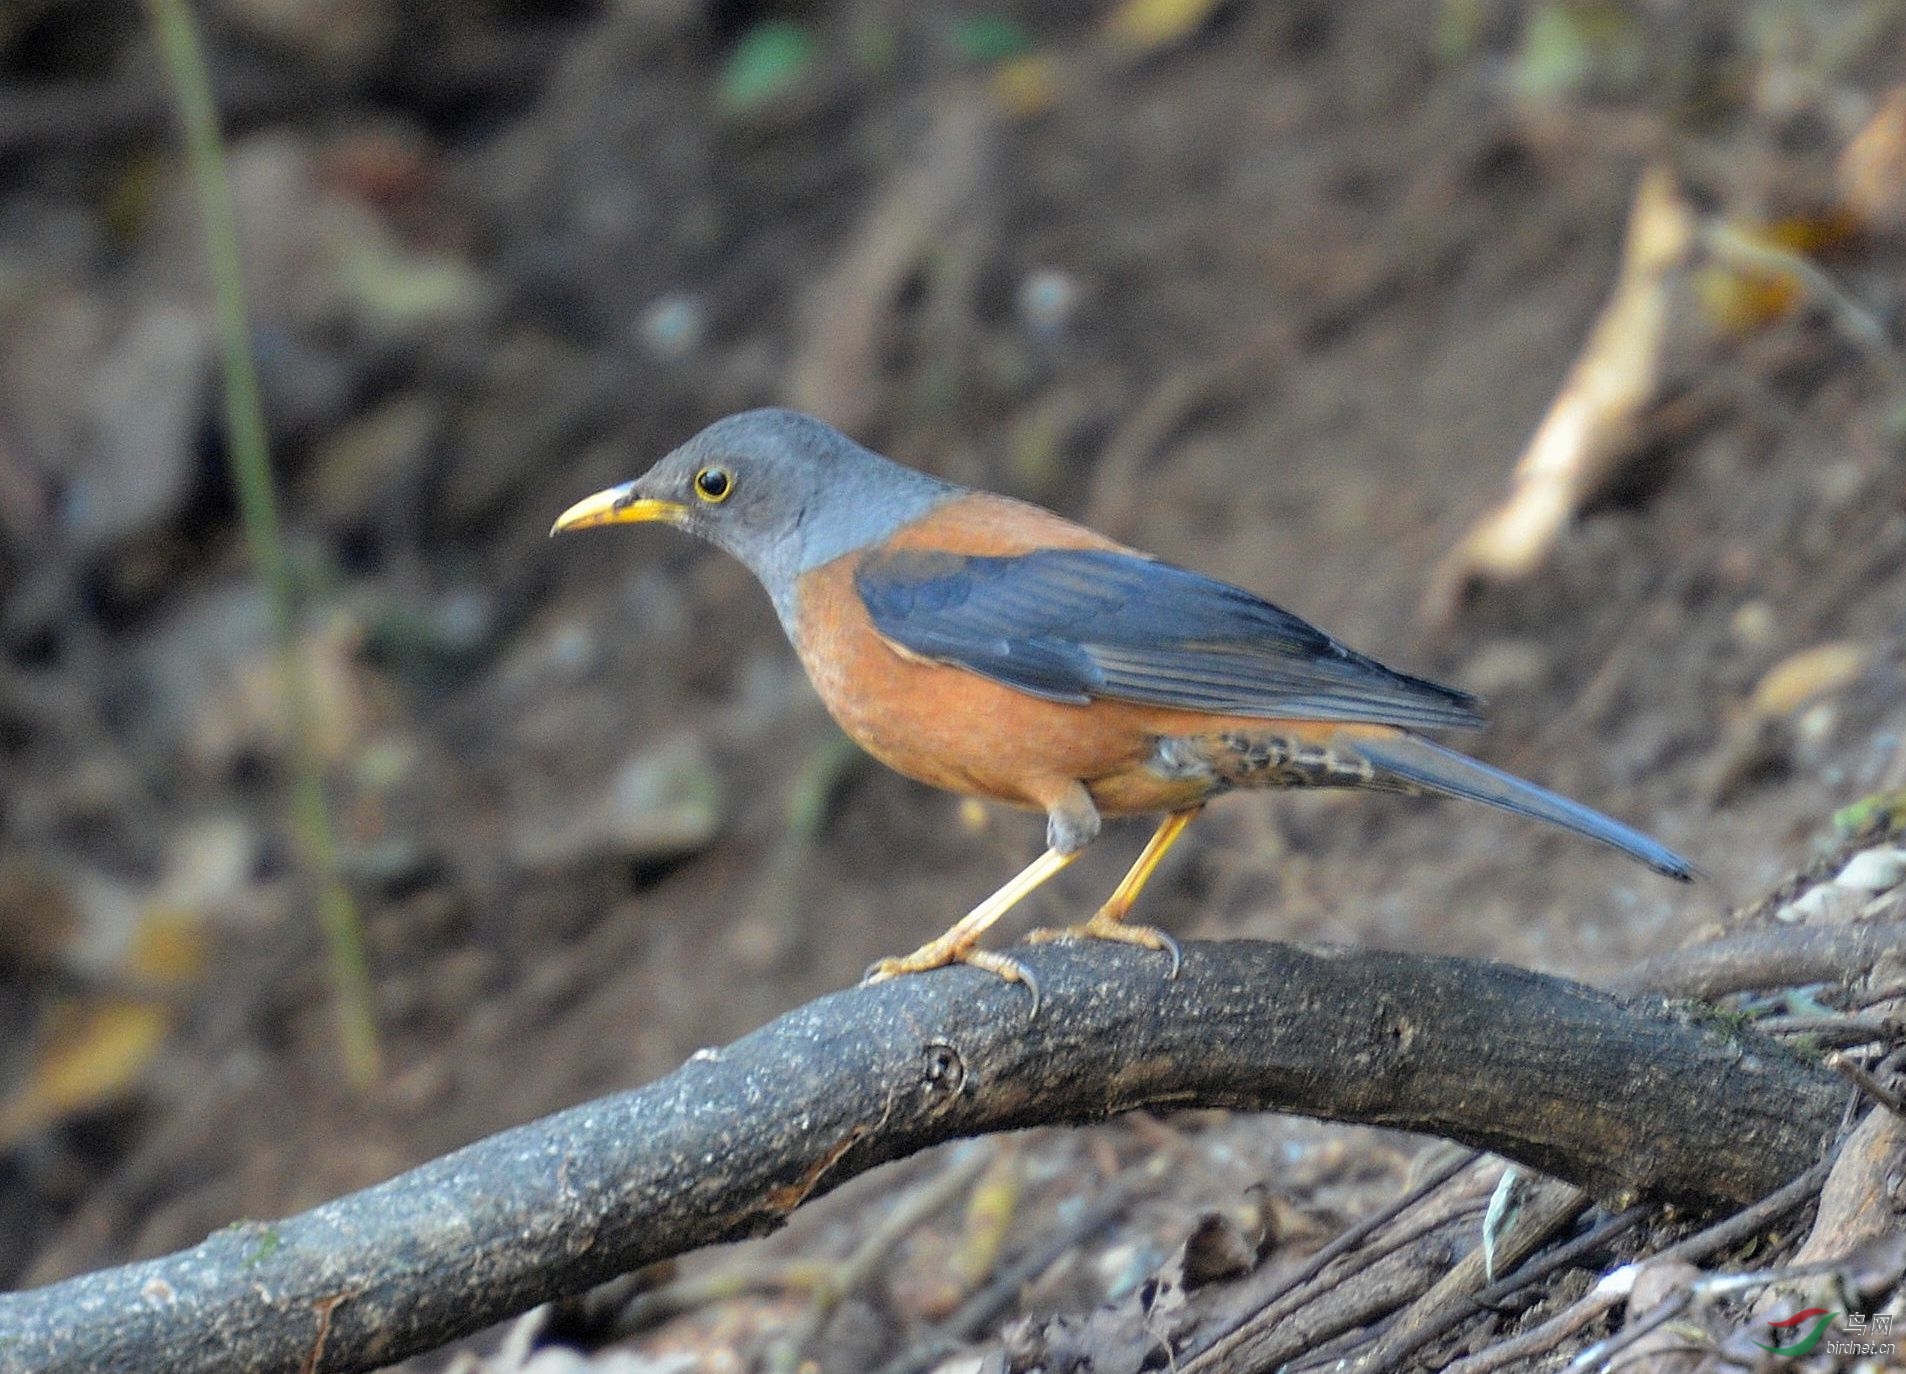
(1077, 624)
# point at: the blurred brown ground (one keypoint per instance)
(507, 253)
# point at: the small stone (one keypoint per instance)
(673, 328)
(661, 803)
(1655, 1282)
(147, 404)
(1123, 1267)
(1047, 300)
(557, 1359)
(1753, 625)
(1873, 870)
(961, 1364)
(1813, 728)
(210, 864)
(1801, 908)
(1826, 904)
(667, 801)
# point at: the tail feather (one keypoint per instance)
(1424, 764)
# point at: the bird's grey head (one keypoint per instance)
(779, 490)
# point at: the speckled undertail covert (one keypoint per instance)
(993, 648)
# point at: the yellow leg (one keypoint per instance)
(1108, 922)
(957, 946)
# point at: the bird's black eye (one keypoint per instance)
(714, 485)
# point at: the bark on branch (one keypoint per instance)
(1627, 1099)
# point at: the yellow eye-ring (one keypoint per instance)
(714, 485)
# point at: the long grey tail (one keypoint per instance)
(1424, 764)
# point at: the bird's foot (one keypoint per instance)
(942, 952)
(1107, 926)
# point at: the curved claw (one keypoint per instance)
(1011, 970)
(1177, 953)
(1102, 927)
(958, 945)
(920, 961)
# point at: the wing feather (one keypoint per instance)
(1077, 624)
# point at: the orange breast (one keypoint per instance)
(954, 729)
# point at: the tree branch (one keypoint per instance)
(1774, 956)
(1625, 1099)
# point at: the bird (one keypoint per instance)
(993, 648)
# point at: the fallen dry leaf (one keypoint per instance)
(1027, 85)
(1803, 676)
(1139, 27)
(1588, 434)
(94, 1050)
(1872, 169)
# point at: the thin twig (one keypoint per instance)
(1767, 1278)
(1872, 997)
(1750, 1221)
(1560, 1258)
(902, 1216)
(986, 1305)
(1539, 1339)
(1659, 1315)
(1457, 1306)
(1842, 1030)
(1609, 1294)
(248, 454)
(1217, 1346)
(693, 1291)
(1857, 1073)
(1855, 321)
(1771, 957)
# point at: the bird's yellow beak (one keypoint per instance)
(617, 506)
